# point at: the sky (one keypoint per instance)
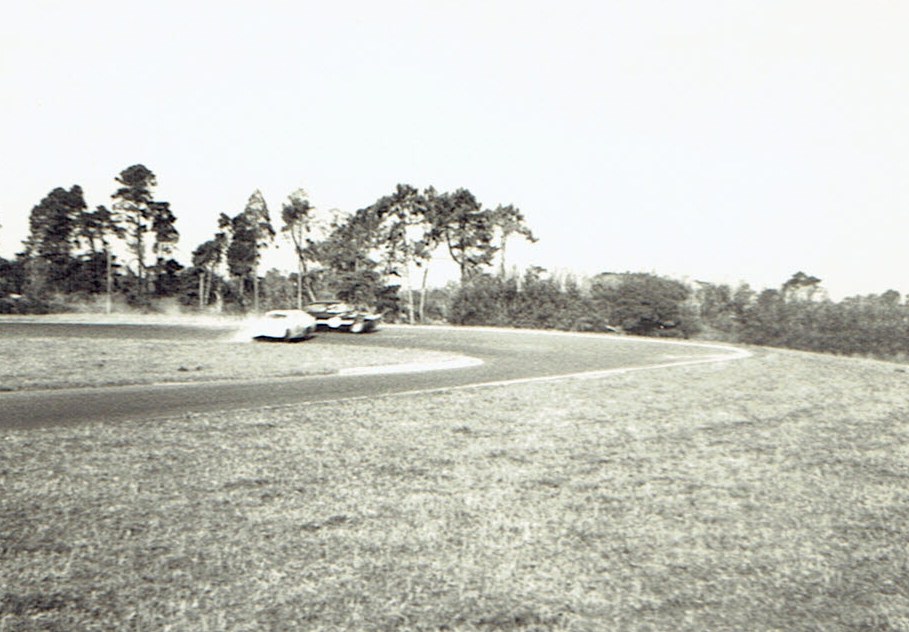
(724, 140)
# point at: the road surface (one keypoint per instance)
(507, 356)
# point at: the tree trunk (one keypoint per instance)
(462, 264)
(241, 298)
(311, 293)
(110, 283)
(140, 258)
(219, 298)
(502, 273)
(307, 282)
(423, 295)
(202, 290)
(209, 280)
(409, 289)
(256, 290)
(299, 284)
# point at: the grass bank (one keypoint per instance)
(765, 494)
(66, 362)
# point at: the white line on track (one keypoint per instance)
(739, 354)
(463, 362)
(730, 354)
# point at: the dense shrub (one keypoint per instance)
(538, 301)
(22, 305)
(484, 300)
(645, 304)
(12, 277)
(873, 325)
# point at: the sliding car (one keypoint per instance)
(340, 316)
(283, 324)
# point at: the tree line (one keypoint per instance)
(366, 257)
(379, 256)
(797, 315)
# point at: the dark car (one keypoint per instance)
(340, 316)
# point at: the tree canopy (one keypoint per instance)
(53, 226)
(138, 213)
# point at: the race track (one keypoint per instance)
(506, 355)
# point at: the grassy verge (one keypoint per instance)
(764, 494)
(30, 363)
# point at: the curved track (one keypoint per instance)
(508, 356)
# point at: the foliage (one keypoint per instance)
(484, 300)
(94, 227)
(875, 325)
(510, 221)
(468, 231)
(138, 214)
(535, 300)
(166, 235)
(12, 276)
(404, 228)
(368, 257)
(206, 259)
(132, 211)
(352, 270)
(12, 288)
(250, 233)
(278, 290)
(800, 287)
(167, 272)
(437, 302)
(721, 309)
(363, 257)
(297, 223)
(405, 235)
(241, 250)
(95, 231)
(52, 237)
(645, 304)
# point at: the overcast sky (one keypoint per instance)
(721, 141)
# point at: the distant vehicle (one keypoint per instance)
(283, 324)
(339, 316)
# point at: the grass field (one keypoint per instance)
(770, 493)
(30, 363)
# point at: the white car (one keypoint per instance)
(283, 324)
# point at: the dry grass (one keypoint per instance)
(54, 362)
(766, 494)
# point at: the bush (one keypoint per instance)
(533, 301)
(872, 325)
(645, 304)
(23, 305)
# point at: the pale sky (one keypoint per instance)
(720, 141)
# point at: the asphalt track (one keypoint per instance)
(507, 356)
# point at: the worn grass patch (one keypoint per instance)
(59, 362)
(765, 494)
